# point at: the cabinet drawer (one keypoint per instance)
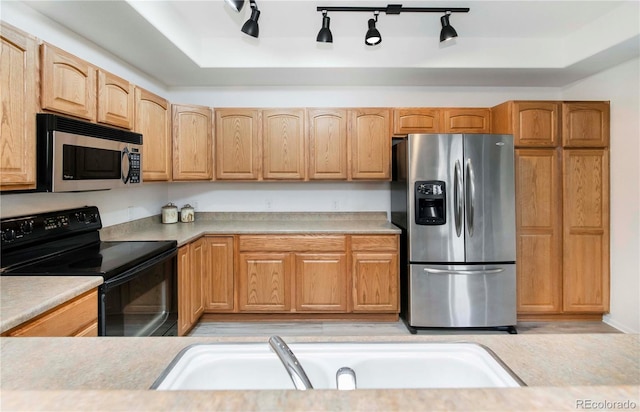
(68, 319)
(374, 242)
(292, 243)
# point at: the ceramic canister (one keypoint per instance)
(169, 213)
(187, 214)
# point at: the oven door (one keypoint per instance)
(142, 301)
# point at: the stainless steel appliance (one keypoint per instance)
(453, 197)
(139, 293)
(73, 155)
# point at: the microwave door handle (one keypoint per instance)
(457, 194)
(125, 164)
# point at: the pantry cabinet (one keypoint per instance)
(533, 124)
(369, 136)
(328, 157)
(18, 108)
(585, 124)
(153, 121)
(374, 273)
(283, 144)
(192, 142)
(116, 100)
(237, 144)
(68, 83)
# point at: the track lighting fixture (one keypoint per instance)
(324, 35)
(373, 35)
(250, 27)
(235, 4)
(447, 32)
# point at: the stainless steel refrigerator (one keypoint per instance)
(453, 197)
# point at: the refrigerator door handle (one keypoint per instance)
(457, 193)
(463, 272)
(470, 195)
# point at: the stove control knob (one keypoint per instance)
(27, 227)
(93, 218)
(9, 235)
(81, 216)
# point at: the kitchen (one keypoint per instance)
(614, 84)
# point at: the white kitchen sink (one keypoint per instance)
(253, 366)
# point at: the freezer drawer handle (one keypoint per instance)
(463, 272)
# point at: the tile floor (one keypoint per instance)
(205, 328)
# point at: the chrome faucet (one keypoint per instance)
(291, 364)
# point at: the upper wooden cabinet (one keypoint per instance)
(237, 144)
(585, 124)
(18, 108)
(328, 144)
(408, 120)
(533, 123)
(68, 84)
(192, 143)
(283, 144)
(115, 100)
(369, 135)
(466, 120)
(153, 121)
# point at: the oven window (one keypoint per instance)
(89, 163)
(146, 305)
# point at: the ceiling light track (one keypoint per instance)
(373, 36)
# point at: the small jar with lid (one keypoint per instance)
(169, 213)
(187, 214)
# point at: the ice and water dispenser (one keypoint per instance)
(430, 202)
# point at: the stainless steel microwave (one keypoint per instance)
(75, 156)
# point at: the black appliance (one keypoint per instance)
(139, 293)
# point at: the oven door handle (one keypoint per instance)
(132, 273)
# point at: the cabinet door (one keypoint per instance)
(467, 120)
(375, 282)
(327, 144)
(184, 291)
(200, 264)
(536, 124)
(115, 100)
(408, 120)
(283, 144)
(153, 121)
(264, 282)
(370, 142)
(237, 144)
(321, 282)
(192, 143)
(585, 124)
(538, 231)
(586, 230)
(68, 84)
(18, 108)
(218, 276)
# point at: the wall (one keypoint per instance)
(621, 85)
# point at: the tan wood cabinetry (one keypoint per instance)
(115, 100)
(153, 121)
(586, 230)
(369, 137)
(218, 274)
(562, 206)
(283, 144)
(237, 146)
(408, 120)
(321, 282)
(77, 317)
(264, 282)
(375, 273)
(533, 124)
(192, 266)
(18, 108)
(192, 142)
(184, 288)
(466, 120)
(585, 124)
(328, 157)
(68, 83)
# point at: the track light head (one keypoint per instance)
(324, 35)
(251, 27)
(447, 32)
(373, 36)
(235, 4)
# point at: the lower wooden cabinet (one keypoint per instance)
(191, 261)
(264, 282)
(321, 282)
(375, 273)
(77, 317)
